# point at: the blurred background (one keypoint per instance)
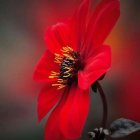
(22, 27)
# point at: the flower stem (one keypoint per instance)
(104, 102)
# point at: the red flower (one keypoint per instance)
(76, 58)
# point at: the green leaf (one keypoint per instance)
(123, 127)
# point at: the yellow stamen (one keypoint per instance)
(67, 49)
(68, 75)
(60, 81)
(60, 86)
(68, 70)
(67, 55)
(58, 58)
(54, 75)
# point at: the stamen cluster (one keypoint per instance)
(69, 62)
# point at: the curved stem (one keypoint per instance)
(104, 102)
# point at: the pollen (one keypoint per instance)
(69, 62)
(54, 75)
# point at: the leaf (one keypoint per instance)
(123, 127)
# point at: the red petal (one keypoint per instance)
(95, 67)
(44, 67)
(48, 97)
(101, 23)
(70, 33)
(78, 24)
(52, 131)
(74, 113)
(57, 36)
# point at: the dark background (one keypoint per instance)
(22, 27)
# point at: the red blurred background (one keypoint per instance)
(22, 27)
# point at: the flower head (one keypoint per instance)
(76, 58)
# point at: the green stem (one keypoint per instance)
(104, 102)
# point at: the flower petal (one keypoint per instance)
(95, 67)
(44, 67)
(78, 24)
(57, 36)
(101, 23)
(68, 33)
(74, 113)
(52, 131)
(47, 98)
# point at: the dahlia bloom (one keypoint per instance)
(75, 59)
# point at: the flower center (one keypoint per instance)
(69, 68)
(69, 62)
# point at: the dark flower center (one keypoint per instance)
(69, 68)
(69, 62)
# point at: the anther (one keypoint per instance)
(69, 62)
